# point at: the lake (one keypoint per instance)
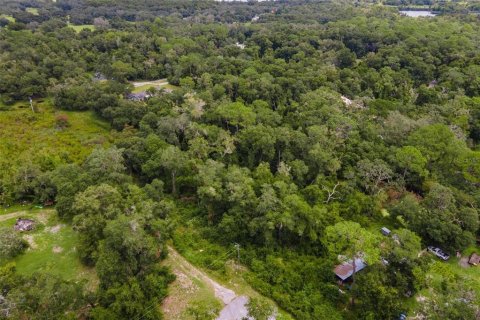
(417, 13)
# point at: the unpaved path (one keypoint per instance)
(235, 306)
(222, 293)
(42, 215)
(8, 216)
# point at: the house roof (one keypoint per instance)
(386, 230)
(345, 270)
(474, 259)
(138, 96)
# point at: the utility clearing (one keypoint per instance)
(194, 286)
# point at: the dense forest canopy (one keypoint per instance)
(296, 129)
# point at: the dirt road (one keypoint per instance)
(234, 305)
(42, 215)
(155, 83)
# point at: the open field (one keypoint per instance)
(33, 11)
(8, 17)
(51, 247)
(25, 135)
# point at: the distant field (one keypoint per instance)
(52, 247)
(81, 27)
(141, 86)
(33, 11)
(8, 17)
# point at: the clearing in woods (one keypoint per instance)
(140, 86)
(52, 247)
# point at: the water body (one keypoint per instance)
(417, 13)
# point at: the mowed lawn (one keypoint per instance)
(52, 248)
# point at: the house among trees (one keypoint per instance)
(385, 231)
(140, 96)
(345, 270)
(24, 224)
(474, 259)
(98, 76)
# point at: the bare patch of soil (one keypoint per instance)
(57, 249)
(54, 229)
(31, 241)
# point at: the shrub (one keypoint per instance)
(11, 243)
(61, 121)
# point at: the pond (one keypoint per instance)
(417, 13)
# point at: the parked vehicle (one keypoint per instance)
(439, 253)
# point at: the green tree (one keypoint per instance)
(171, 159)
(94, 208)
(235, 114)
(260, 309)
(202, 310)
(411, 160)
(11, 243)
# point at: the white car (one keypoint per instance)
(439, 253)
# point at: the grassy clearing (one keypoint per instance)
(33, 11)
(81, 27)
(52, 249)
(8, 17)
(20, 207)
(26, 135)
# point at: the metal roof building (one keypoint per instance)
(345, 270)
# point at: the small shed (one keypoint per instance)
(24, 224)
(474, 259)
(385, 231)
(345, 270)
